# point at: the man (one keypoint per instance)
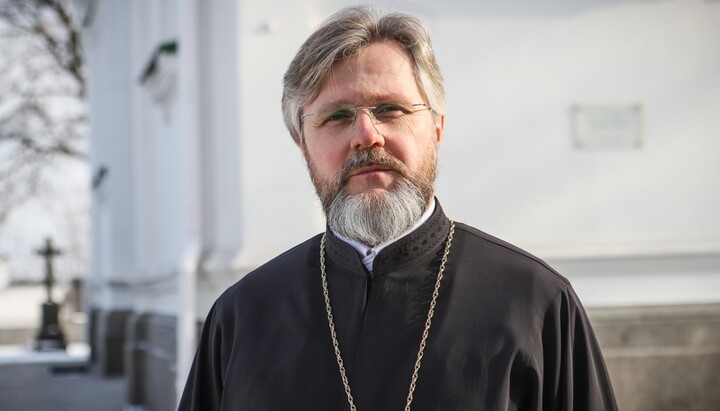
(394, 306)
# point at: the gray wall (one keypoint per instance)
(662, 358)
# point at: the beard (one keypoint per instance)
(374, 218)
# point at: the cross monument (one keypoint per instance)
(50, 336)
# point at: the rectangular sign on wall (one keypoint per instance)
(616, 126)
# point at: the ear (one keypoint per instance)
(439, 128)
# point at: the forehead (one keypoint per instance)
(379, 71)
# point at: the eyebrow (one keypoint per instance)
(380, 98)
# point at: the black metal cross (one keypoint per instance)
(49, 252)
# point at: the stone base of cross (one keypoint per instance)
(50, 336)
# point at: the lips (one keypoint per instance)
(369, 169)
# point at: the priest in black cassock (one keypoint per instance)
(395, 306)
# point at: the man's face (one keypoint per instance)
(404, 148)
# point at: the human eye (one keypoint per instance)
(389, 111)
(337, 115)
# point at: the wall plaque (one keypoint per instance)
(607, 126)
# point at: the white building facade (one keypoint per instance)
(585, 132)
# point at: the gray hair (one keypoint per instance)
(343, 35)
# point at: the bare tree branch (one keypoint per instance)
(42, 89)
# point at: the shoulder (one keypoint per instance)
(512, 287)
(505, 261)
(282, 274)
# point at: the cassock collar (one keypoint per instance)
(418, 243)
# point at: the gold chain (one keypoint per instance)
(425, 334)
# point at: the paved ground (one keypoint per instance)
(58, 381)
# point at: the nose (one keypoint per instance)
(365, 133)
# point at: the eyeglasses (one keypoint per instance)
(339, 119)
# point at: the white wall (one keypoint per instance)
(510, 89)
(604, 217)
(629, 225)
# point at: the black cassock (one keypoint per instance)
(509, 333)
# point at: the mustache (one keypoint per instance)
(367, 158)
